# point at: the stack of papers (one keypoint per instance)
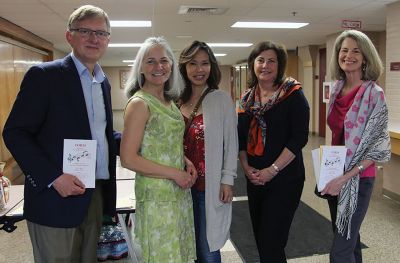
(328, 164)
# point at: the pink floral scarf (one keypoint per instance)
(366, 137)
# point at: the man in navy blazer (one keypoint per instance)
(66, 99)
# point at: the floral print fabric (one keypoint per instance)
(164, 214)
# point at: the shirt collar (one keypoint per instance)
(82, 69)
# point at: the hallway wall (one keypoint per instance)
(306, 72)
(391, 180)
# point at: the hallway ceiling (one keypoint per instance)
(48, 18)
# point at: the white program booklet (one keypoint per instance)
(316, 163)
(80, 160)
(328, 164)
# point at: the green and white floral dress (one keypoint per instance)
(164, 214)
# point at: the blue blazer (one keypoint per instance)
(49, 108)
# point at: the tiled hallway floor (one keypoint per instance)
(380, 230)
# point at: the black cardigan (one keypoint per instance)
(287, 126)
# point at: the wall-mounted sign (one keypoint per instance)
(123, 78)
(394, 66)
(327, 91)
(351, 24)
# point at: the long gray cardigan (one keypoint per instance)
(221, 151)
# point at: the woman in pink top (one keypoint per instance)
(358, 118)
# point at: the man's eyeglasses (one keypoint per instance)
(86, 32)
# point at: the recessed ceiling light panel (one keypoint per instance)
(268, 25)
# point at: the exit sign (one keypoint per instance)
(351, 24)
(394, 66)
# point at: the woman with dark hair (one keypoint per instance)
(152, 147)
(358, 118)
(273, 129)
(211, 144)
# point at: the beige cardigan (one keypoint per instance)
(221, 151)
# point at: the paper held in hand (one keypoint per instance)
(79, 159)
(328, 164)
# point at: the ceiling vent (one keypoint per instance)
(201, 10)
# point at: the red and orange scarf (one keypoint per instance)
(250, 103)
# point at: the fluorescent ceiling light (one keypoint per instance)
(128, 61)
(130, 23)
(230, 44)
(268, 25)
(125, 45)
(220, 54)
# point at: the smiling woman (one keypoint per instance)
(273, 128)
(152, 147)
(210, 142)
(358, 118)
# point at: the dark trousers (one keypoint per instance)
(272, 209)
(333, 211)
(349, 251)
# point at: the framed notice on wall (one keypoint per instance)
(326, 91)
(123, 76)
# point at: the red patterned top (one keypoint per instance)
(194, 149)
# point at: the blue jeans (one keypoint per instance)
(202, 250)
